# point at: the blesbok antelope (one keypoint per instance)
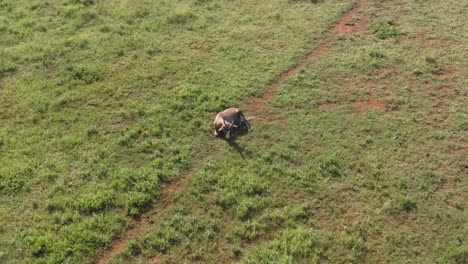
(230, 122)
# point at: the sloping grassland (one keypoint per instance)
(360, 156)
(102, 102)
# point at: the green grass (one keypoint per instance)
(333, 177)
(360, 158)
(102, 102)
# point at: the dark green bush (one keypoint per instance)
(160, 240)
(40, 243)
(85, 72)
(302, 211)
(80, 240)
(249, 230)
(14, 181)
(406, 204)
(328, 166)
(135, 201)
(383, 30)
(101, 200)
(247, 207)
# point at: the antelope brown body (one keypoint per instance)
(230, 121)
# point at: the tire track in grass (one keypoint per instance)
(348, 23)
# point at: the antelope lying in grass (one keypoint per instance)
(230, 122)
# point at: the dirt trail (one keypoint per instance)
(169, 192)
(350, 22)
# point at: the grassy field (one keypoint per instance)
(358, 157)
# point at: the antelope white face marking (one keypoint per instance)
(228, 135)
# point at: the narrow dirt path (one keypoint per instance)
(138, 226)
(350, 22)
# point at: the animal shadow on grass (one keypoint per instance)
(233, 144)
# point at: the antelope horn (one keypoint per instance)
(228, 124)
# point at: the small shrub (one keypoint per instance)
(160, 240)
(39, 243)
(253, 186)
(428, 180)
(377, 53)
(185, 225)
(133, 248)
(96, 202)
(406, 204)
(248, 207)
(228, 199)
(78, 239)
(249, 230)
(8, 7)
(205, 181)
(135, 201)
(299, 244)
(302, 211)
(13, 181)
(458, 255)
(383, 30)
(328, 166)
(398, 205)
(129, 137)
(85, 73)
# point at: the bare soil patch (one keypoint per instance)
(373, 102)
(120, 243)
(350, 81)
(352, 22)
(447, 74)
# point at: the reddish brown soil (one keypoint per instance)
(254, 107)
(119, 244)
(373, 102)
(444, 187)
(350, 24)
(155, 260)
(384, 72)
(350, 81)
(447, 74)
